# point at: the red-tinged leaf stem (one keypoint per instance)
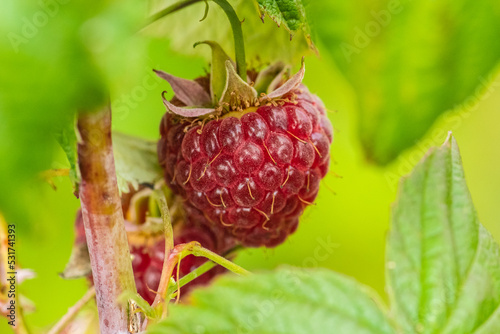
(103, 220)
(159, 301)
(176, 255)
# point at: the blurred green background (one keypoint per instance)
(431, 69)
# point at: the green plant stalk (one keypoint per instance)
(239, 46)
(190, 277)
(171, 9)
(103, 220)
(197, 273)
(197, 250)
(159, 195)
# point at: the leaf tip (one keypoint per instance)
(450, 141)
(449, 137)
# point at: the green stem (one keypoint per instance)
(239, 46)
(194, 248)
(171, 9)
(190, 277)
(197, 250)
(198, 272)
(167, 219)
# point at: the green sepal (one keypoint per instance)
(267, 76)
(218, 70)
(236, 91)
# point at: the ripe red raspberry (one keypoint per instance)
(252, 171)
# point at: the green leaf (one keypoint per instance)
(184, 29)
(136, 161)
(290, 14)
(289, 300)
(408, 61)
(443, 266)
(66, 137)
